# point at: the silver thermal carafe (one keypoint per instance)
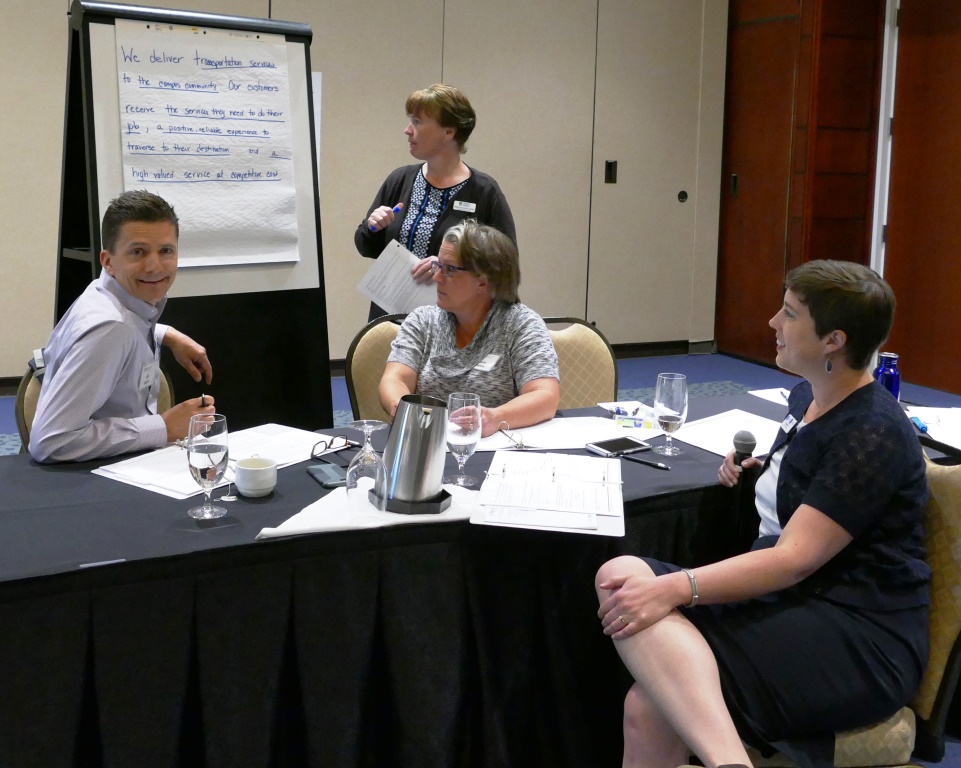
(415, 454)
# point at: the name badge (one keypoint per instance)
(487, 364)
(463, 205)
(148, 374)
(788, 424)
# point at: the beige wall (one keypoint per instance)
(365, 54)
(529, 69)
(33, 60)
(531, 81)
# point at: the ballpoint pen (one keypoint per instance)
(919, 424)
(655, 464)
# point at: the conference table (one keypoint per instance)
(133, 635)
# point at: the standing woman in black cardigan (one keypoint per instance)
(418, 203)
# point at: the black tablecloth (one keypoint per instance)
(421, 645)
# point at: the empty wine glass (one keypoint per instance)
(367, 463)
(670, 407)
(207, 459)
(463, 432)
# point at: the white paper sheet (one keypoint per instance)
(553, 482)
(338, 511)
(777, 395)
(565, 432)
(944, 424)
(516, 517)
(389, 284)
(716, 433)
(165, 471)
(555, 492)
(206, 124)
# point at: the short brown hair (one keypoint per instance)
(448, 106)
(135, 205)
(849, 297)
(488, 252)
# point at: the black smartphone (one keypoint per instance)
(618, 446)
(328, 475)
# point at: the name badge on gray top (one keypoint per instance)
(487, 364)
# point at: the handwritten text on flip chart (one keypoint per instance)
(205, 120)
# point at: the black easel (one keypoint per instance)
(269, 349)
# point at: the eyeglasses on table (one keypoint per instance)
(337, 443)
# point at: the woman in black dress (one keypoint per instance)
(823, 625)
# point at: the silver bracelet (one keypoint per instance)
(690, 576)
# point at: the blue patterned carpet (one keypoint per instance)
(9, 444)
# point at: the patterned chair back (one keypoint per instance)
(366, 359)
(587, 365)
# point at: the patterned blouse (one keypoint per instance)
(427, 203)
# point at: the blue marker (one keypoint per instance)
(396, 209)
(920, 424)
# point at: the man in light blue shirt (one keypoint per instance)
(102, 374)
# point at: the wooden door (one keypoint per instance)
(924, 205)
(758, 130)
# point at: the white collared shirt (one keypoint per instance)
(100, 385)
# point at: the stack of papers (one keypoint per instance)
(165, 471)
(389, 283)
(944, 424)
(554, 492)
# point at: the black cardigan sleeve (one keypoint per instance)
(395, 189)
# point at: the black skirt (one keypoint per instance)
(795, 669)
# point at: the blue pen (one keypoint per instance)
(920, 424)
(396, 209)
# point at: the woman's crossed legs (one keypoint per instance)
(675, 705)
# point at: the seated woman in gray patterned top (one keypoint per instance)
(478, 337)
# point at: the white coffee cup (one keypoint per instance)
(255, 476)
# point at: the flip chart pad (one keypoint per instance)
(205, 119)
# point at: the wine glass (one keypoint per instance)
(367, 463)
(207, 458)
(670, 407)
(463, 432)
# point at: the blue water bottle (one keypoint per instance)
(888, 374)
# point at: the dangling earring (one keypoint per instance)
(828, 365)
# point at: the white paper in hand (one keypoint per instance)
(389, 284)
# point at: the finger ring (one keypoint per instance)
(623, 620)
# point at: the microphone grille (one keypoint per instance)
(744, 442)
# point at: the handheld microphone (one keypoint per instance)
(744, 445)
